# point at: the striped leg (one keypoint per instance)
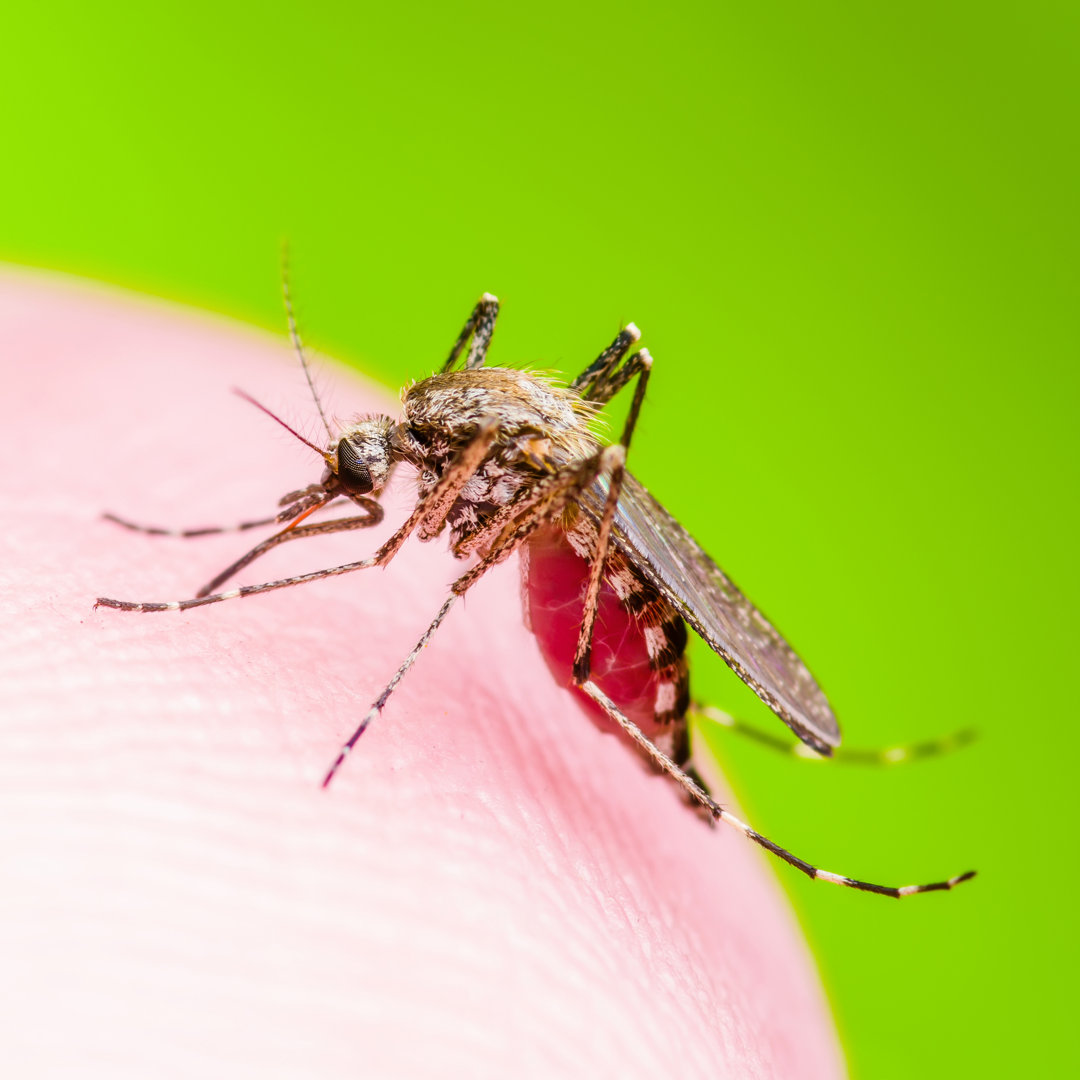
(558, 490)
(294, 503)
(640, 364)
(596, 383)
(209, 530)
(597, 374)
(698, 794)
(380, 558)
(534, 505)
(480, 327)
(384, 697)
(299, 532)
(439, 500)
(606, 388)
(880, 756)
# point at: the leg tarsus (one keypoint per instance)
(599, 371)
(513, 535)
(384, 697)
(186, 534)
(640, 365)
(298, 532)
(556, 492)
(883, 756)
(480, 327)
(453, 480)
(696, 792)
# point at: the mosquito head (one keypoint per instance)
(360, 462)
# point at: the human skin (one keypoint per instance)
(490, 887)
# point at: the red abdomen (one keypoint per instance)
(554, 579)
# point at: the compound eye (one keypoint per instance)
(354, 475)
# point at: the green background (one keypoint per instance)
(850, 235)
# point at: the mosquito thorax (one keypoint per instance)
(361, 458)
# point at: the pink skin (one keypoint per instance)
(491, 887)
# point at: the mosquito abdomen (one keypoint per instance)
(638, 643)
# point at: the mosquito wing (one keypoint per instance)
(672, 561)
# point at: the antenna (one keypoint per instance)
(294, 334)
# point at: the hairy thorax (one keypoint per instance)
(542, 426)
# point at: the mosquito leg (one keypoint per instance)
(600, 369)
(480, 326)
(302, 494)
(455, 478)
(440, 502)
(605, 388)
(380, 558)
(305, 504)
(541, 499)
(640, 364)
(209, 530)
(877, 756)
(512, 525)
(699, 795)
(299, 532)
(483, 537)
(508, 543)
(384, 697)
(295, 503)
(558, 491)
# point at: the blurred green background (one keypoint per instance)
(849, 232)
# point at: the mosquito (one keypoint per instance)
(507, 461)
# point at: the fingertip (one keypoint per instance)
(487, 880)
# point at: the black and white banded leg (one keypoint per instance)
(298, 532)
(535, 504)
(605, 388)
(699, 795)
(188, 534)
(380, 702)
(453, 480)
(440, 502)
(480, 326)
(599, 371)
(295, 503)
(875, 756)
(557, 492)
(639, 365)
(559, 489)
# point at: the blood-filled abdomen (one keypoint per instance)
(638, 642)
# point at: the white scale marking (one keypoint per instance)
(655, 640)
(836, 879)
(665, 697)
